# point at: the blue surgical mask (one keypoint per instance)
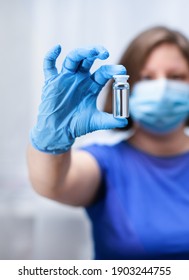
(160, 106)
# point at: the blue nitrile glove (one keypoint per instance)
(68, 106)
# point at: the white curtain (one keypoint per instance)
(27, 30)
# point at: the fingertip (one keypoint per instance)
(53, 53)
(120, 69)
(111, 122)
(104, 55)
(119, 122)
(93, 53)
(106, 72)
(58, 48)
(100, 52)
(122, 122)
(49, 61)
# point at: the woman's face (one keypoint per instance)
(166, 61)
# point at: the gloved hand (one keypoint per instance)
(68, 104)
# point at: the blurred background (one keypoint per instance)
(32, 227)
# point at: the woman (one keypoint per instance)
(136, 192)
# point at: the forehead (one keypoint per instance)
(166, 55)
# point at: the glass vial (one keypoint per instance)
(121, 96)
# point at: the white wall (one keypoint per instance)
(27, 30)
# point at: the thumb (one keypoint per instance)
(107, 121)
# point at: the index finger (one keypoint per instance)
(106, 72)
(76, 57)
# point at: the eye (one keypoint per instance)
(179, 77)
(146, 77)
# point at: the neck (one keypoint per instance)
(173, 143)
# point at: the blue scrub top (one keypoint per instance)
(142, 209)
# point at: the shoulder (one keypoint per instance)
(108, 155)
(105, 149)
